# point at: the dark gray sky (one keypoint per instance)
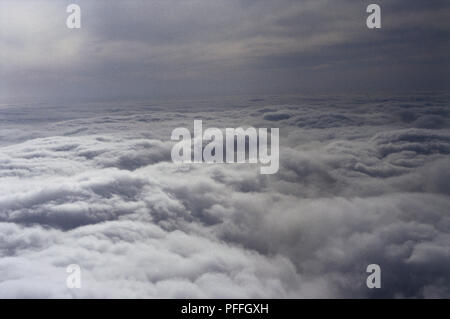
(165, 48)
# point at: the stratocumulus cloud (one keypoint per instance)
(354, 188)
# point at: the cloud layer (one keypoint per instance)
(362, 180)
(191, 48)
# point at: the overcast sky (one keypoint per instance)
(161, 48)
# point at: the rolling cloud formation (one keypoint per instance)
(362, 180)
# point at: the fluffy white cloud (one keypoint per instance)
(354, 188)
